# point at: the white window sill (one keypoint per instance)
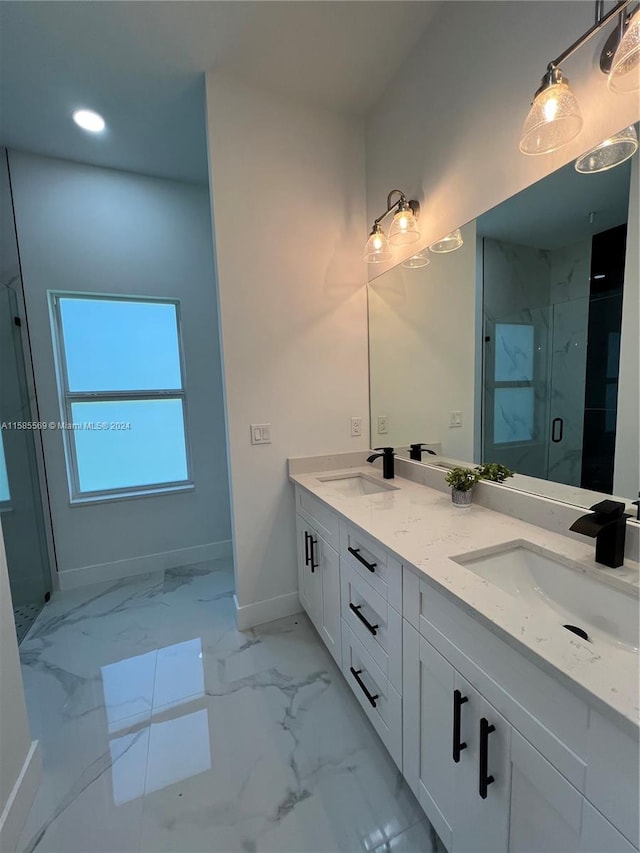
(127, 496)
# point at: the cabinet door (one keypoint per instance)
(600, 836)
(328, 570)
(428, 695)
(482, 776)
(308, 580)
(546, 810)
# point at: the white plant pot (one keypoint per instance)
(461, 499)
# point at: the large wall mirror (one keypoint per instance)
(521, 346)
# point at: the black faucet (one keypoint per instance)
(387, 461)
(608, 524)
(416, 451)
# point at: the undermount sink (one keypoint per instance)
(559, 589)
(354, 485)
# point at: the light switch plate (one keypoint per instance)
(260, 433)
(455, 419)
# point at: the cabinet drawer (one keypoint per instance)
(323, 519)
(377, 625)
(384, 708)
(380, 569)
(551, 717)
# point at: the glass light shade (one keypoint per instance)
(377, 250)
(609, 153)
(554, 119)
(449, 243)
(404, 228)
(625, 66)
(420, 259)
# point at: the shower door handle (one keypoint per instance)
(557, 429)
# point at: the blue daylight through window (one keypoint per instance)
(122, 392)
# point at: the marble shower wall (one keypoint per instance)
(541, 299)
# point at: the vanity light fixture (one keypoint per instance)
(404, 228)
(449, 243)
(620, 58)
(554, 118)
(89, 120)
(613, 151)
(420, 259)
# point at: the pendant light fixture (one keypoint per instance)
(612, 152)
(377, 250)
(420, 259)
(404, 228)
(624, 75)
(554, 118)
(449, 243)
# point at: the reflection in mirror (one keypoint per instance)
(521, 347)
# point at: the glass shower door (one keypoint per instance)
(21, 511)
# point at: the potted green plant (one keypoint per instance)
(493, 471)
(462, 480)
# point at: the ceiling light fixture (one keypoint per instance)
(554, 118)
(612, 152)
(404, 228)
(620, 58)
(420, 259)
(89, 120)
(449, 243)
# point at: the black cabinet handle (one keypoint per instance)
(356, 674)
(556, 437)
(312, 543)
(360, 559)
(306, 548)
(484, 780)
(458, 702)
(363, 619)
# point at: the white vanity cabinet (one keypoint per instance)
(319, 570)
(530, 805)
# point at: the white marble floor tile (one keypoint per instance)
(164, 728)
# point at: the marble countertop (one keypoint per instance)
(425, 531)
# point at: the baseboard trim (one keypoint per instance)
(74, 578)
(16, 811)
(250, 615)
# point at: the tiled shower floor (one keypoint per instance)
(164, 728)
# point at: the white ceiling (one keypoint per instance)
(141, 64)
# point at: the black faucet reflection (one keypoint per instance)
(416, 451)
(607, 523)
(387, 455)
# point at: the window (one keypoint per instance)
(5, 497)
(121, 394)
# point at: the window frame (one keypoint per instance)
(66, 398)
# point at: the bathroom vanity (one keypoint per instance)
(514, 732)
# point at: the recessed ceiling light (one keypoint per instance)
(88, 120)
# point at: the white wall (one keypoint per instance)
(447, 130)
(88, 229)
(287, 185)
(626, 476)
(19, 767)
(421, 351)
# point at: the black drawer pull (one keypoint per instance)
(363, 619)
(312, 543)
(484, 780)
(458, 702)
(356, 674)
(306, 548)
(356, 554)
